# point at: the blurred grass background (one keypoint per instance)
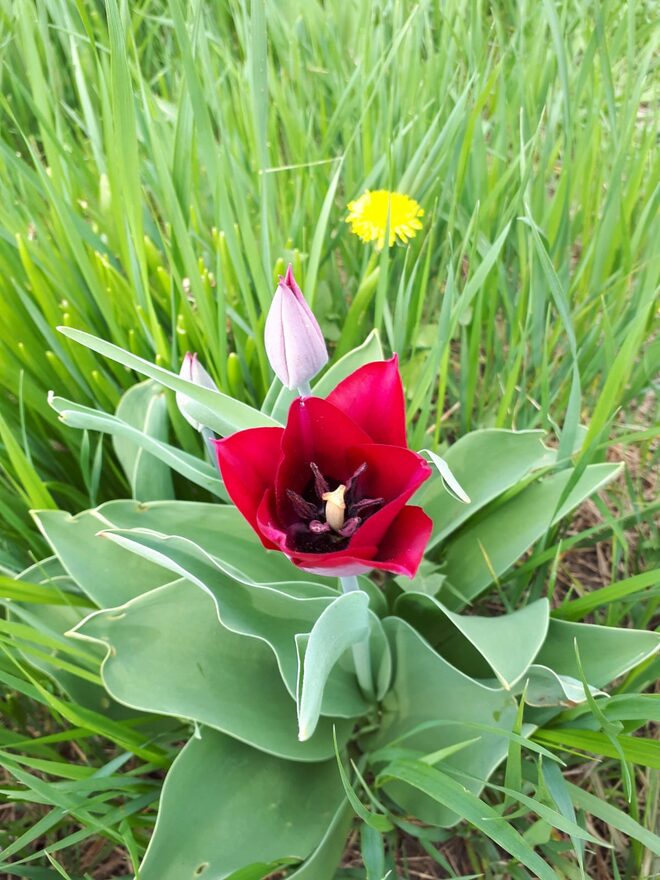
(160, 162)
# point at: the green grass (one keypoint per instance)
(161, 162)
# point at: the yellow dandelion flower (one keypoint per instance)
(368, 217)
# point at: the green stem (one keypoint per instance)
(361, 650)
(305, 390)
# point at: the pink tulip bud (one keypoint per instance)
(294, 341)
(192, 371)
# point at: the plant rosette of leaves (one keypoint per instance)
(305, 683)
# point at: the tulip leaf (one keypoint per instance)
(273, 613)
(505, 645)
(546, 688)
(485, 464)
(109, 577)
(215, 410)
(342, 624)
(54, 622)
(218, 791)
(427, 688)
(449, 481)
(370, 350)
(106, 573)
(485, 549)
(144, 407)
(606, 652)
(168, 653)
(189, 466)
(322, 864)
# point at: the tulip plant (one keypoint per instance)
(311, 625)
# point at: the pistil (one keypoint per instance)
(335, 507)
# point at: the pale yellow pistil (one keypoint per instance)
(335, 507)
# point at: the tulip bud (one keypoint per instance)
(294, 341)
(193, 371)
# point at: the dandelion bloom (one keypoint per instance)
(368, 217)
(330, 490)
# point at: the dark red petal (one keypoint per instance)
(316, 431)
(393, 473)
(248, 462)
(373, 397)
(267, 521)
(337, 564)
(402, 548)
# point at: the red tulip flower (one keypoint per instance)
(330, 489)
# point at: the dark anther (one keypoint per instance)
(365, 504)
(320, 482)
(305, 509)
(313, 533)
(354, 477)
(350, 526)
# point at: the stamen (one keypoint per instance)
(320, 482)
(350, 527)
(304, 509)
(318, 527)
(365, 504)
(352, 479)
(335, 506)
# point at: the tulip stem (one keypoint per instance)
(361, 650)
(304, 390)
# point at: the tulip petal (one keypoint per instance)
(318, 432)
(248, 462)
(392, 473)
(373, 397)
(402, 548)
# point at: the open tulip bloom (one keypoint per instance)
(224, 614)
(330, 490)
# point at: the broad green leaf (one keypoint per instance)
(144, 407)
(426, 688)
(53, 623)
(99, 566)
(225, 806)
(322, 863)
(606, 652)
(544, 687)
(168, 653)
(370, 350)
(108, 574)
(453, 795)
(508, 643)
(273, 613)
(339, 626)
(189, 466)
(485, 464)
(188, 559)
(215, 410)
(487, 548)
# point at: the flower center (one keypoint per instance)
(326, 518)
